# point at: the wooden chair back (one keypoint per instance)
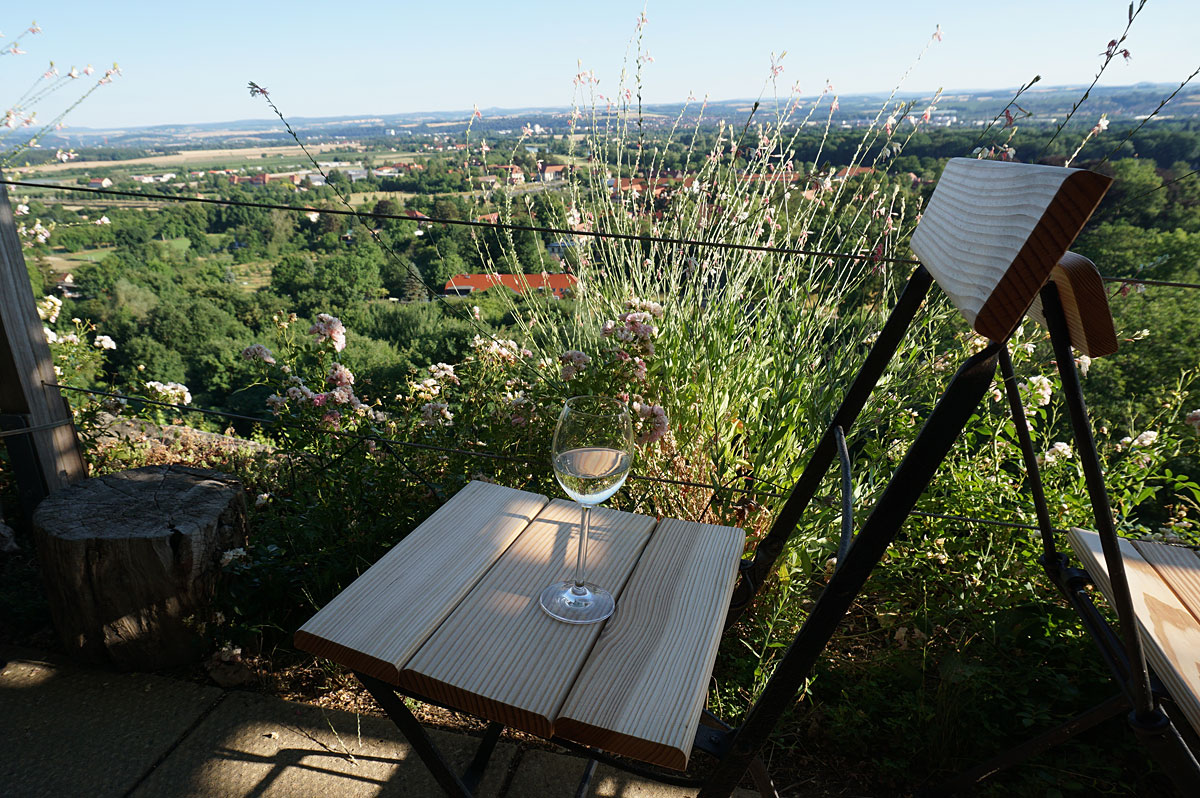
(994, 231)
(1084, 303)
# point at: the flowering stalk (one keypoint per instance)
(1008, 117)
(1151, 115)
(1111, 51)
(1098, 128)
(48, 83)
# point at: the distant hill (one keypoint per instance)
(1045, 106)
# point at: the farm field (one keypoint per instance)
(65, 262)
(192, 158)
(277, 158)
(62, 262)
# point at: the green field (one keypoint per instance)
(252, 275)
(62, 262)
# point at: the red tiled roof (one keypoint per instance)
(772, 177)
(519, 283)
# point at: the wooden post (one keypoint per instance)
(26, 371)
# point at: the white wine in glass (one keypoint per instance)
(591, 453)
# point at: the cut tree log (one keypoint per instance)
(130, 561)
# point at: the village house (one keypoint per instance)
(559, 285)
(421, 219)
(847, 172)
(257, 179)
(553, 173)
(558, 249)
(513, 175)
(163, 178)
(99, 182)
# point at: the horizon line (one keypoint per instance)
(467, 113)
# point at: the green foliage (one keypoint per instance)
(959, 646)
(340, 282)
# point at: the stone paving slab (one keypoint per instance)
(253, 745)
(549, 775)
(71, 732)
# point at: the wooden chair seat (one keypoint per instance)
(451, 614)
(1164, 582)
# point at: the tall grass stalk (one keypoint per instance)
(755, 348)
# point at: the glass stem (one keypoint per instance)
(581, 559)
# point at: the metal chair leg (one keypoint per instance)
(1031, 748)
(474, 772)
(762, 778)
(585, 781)
(411, 728)
(1164, 742)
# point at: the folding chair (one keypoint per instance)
(1152, 587)
(991, 236)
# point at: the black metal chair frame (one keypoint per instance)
(1142, 697)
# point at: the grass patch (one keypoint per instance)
(63, 262)
(252, 275)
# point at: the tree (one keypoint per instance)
(414, 290)
(385, 207)
(446, 208)
(338, 178)
(439, 261)
(281, 231)
(1126, 250)
(159, 362)
(1183, 197)
(338, 282)
(1136, 196)
(131, 231)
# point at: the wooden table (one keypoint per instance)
(451, 613)
(1164, 583)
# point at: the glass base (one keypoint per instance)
(587, 604)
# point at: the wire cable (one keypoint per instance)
(471, 223)
(278, 423)
(532, 229)
(525, 460)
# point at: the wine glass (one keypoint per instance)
(592, 452)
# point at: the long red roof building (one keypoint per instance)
(557, 284)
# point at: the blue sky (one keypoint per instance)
(189, 62)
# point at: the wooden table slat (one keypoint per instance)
(645, 683)
(1171, 633)
(498, 655)
(1179, 567)
(378, 622)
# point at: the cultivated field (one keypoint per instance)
(188, 158)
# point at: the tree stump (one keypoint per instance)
(130, 559)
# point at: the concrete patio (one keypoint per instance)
(71, 731)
